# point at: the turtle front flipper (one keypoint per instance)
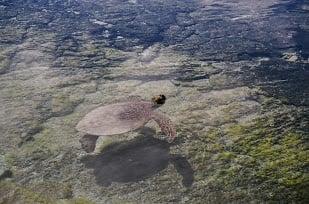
(165, 124)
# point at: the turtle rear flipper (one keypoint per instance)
(165, 124)
(88, 142)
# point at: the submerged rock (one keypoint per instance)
(5, 172)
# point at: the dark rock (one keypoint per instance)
(5, 172)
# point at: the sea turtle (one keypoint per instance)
(123, 117)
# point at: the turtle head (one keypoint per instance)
(158, 100)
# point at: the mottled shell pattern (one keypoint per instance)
(123, 117)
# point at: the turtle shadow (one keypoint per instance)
(136, 160)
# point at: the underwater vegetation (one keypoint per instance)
(12, 193)
(258, 156)
(235, 75)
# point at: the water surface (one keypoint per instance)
(235, 74)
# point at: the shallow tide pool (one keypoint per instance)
(236, 78)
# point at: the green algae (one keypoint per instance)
(4, 63)
(255, 153)
(116, 200)
(52, 189)
(13, 193)
(42, 142)
(226, 156)
(42, 193)
(14, 91)
(41, 148)
(63, 104)
(10, 159)
(114, 54)
(78, 200)
(282, 158)
(80, 53)
(201, 154)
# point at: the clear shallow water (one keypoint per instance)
(235, 74)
